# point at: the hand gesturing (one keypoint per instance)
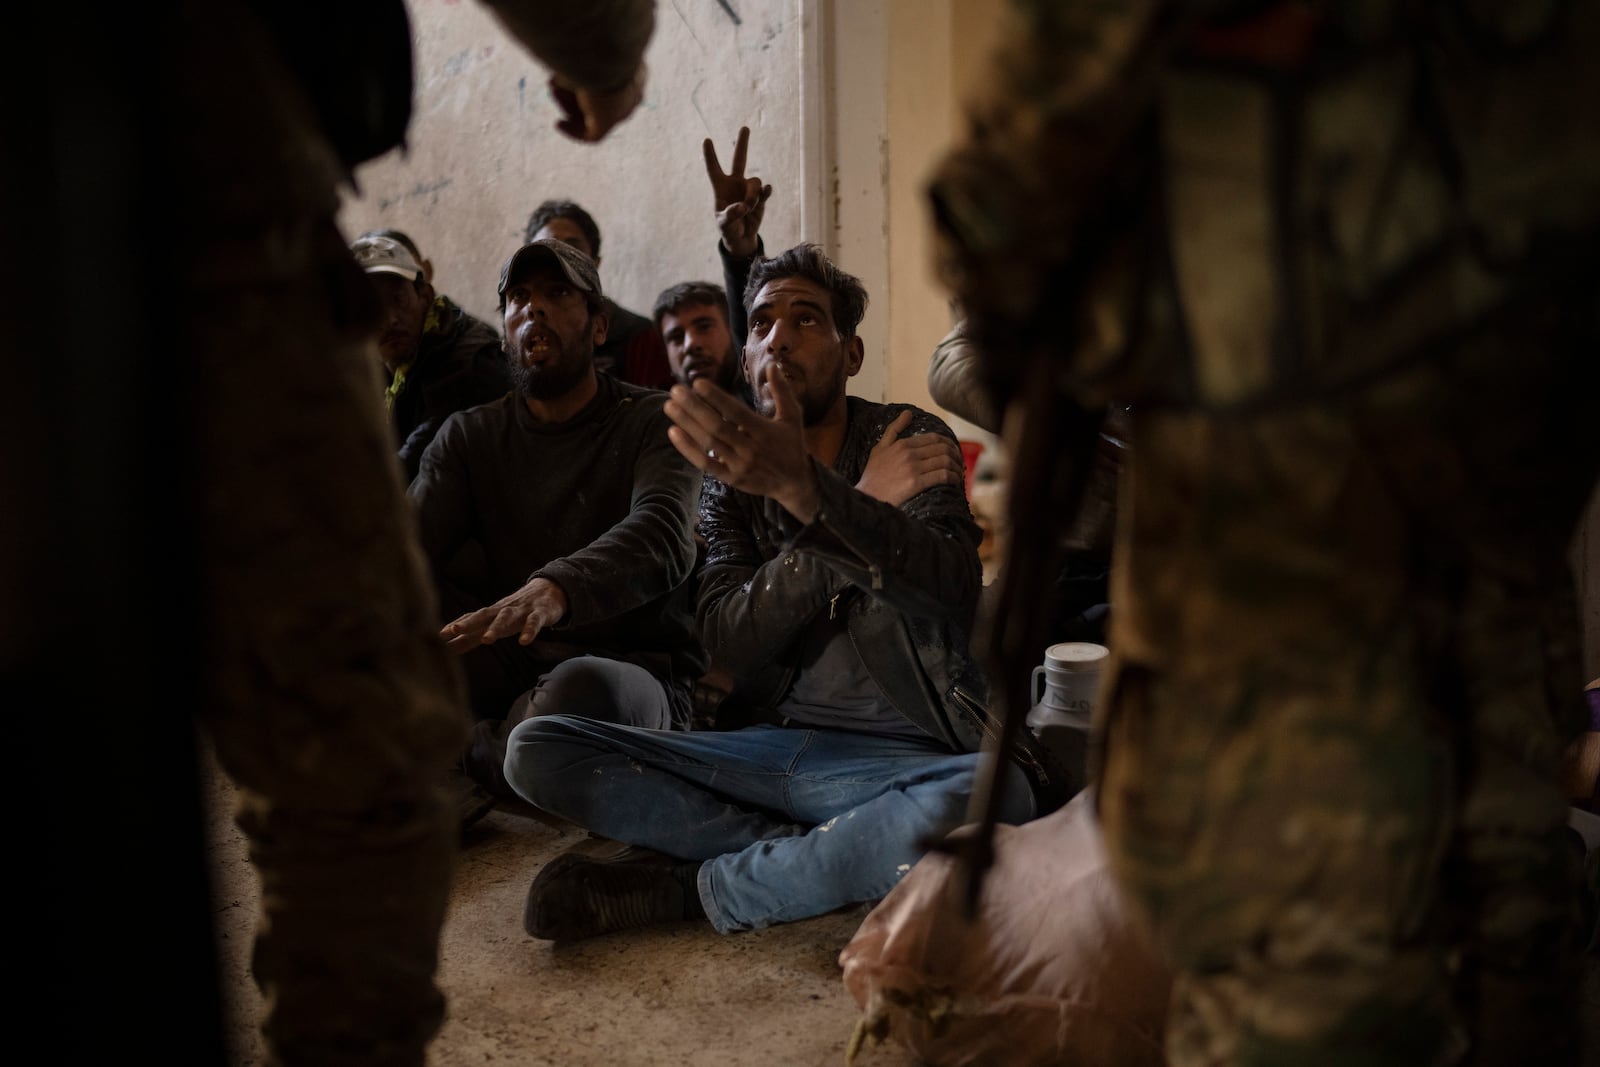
(719, 434)
(525, 612)
(739, 201)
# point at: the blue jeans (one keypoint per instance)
(591, 686)
(789, 822)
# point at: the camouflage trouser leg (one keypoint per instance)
(1326, 900)
(1345, 863)
(336, 707)
(332, 702)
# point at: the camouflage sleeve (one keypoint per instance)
(1017, 200)
(596, 44)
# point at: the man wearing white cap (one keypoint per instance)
(439, 359)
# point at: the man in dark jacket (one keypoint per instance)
(842, 617)
(579, 516)
(440, 360)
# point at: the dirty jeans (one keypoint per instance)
(790, 822)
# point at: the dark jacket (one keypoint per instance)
(633, 350)
(460, 364)
(908, 579)
(601, 504)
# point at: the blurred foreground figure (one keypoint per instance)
(209, 524)
(1340, 258)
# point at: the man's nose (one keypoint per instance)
(780, 339)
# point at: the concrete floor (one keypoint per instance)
(668, 995)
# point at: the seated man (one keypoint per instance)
(440, 360)
(692, 318)
(576, 513)
(843, 619)
(411, 246)
(632, 350)
(1080, 608)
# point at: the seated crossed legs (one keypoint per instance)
(840, 608)
(567, 581)
(756, 826)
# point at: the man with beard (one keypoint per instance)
(842, 617)
(692, 318)
(632, 350)
(439, 359)
(575, 512)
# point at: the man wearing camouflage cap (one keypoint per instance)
(575, 514)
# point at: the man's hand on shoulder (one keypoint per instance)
(899, 468)
(739, 201)
(538, 604)
(722, 436)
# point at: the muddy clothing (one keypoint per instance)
(601, 505)
(633, 350)
(460, 363)
(1342, 265)
(906, 580)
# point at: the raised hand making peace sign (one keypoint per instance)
(739, 201)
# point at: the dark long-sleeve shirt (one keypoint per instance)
(601, 504)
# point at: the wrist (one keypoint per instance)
(803, 499)
(745, 249)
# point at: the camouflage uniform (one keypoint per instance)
(333, 704)
(1341, 261)
(206, 526)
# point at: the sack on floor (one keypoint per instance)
(1050, 971)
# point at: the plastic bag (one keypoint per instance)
(1051, 970)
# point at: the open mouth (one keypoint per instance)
(538, 346)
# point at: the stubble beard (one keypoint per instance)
(555, 377)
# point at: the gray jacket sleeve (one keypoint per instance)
(955, 383)
(597, 44)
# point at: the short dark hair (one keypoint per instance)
(564, 209)
(691, 294)
(396, 235)
(848, 295)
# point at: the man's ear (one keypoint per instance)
(600, 322)
(855, 354)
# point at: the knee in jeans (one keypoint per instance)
(535, 750)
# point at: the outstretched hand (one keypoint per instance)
(588, 114)
(739, 201)
(898, 468)
(720, 435)
(530, 609)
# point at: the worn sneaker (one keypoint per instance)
(578, 896)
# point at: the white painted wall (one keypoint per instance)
(484, 151)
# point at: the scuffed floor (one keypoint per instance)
(668, 995)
